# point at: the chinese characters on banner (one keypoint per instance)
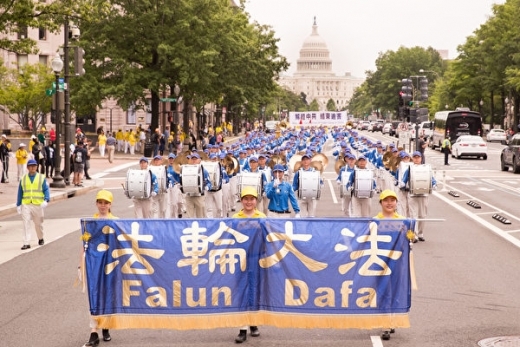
(316, 118)
(186, 274)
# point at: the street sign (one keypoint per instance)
(168, 99)
(63, 86)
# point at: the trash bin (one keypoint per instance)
(148, 149)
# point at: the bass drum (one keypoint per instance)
(251, 179)
(138, 184)
(192, 179)
(214, 170)
(345, 178)
(420, 180)
(160, 174)
(363, 184)
(309, 185)
(403, 167)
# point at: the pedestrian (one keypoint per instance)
(49, 159)
(52, 135)
(104, 200)
(446, 149)
(422, 144)
(388, 201)
(280, 195)
(89, 151)
(249, 200)
(33, 197)
(155, 139)
(101, 144)
(5, 153)
(111, 147)
(80, 157)
(21, 160)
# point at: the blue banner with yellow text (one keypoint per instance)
(211, 273)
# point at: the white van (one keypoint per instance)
(270, 126)
(425, 128)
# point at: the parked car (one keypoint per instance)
(393, 130)
(364, 125)
(496, 135)
(425, 128)
(387, 128)
(510, 156)
(469, 146)
(378, 126)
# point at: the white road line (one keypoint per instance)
(331, 186)
(376, 341)
(505, 235)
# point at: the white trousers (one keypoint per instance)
(308, 207)
(214, 204)
(34, 213)
(361, 207)
(143, 208)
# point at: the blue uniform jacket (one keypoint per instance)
(280, 197)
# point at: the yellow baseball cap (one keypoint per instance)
(386, 193)
(104, 195)
(249, 191)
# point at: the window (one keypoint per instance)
(22, 33)
(22, 59)
(42, 34)
(44, 59)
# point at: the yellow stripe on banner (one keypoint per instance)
(276, 319)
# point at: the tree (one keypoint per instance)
(331, 105)
(23, 94)
(314, 106)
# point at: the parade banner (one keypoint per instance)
(316, 118)
(211, 273)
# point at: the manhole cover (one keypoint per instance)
(501, 341)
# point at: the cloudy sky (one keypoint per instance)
(357, 30)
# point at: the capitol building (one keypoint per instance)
(315, 78)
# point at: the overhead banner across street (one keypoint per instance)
(211, 273)
(316, 118)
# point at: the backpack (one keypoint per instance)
(79, 157)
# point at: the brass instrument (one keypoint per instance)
(320, 158)
(339, 164)
(230, 165)
(277, 159)
(386, 159)
(294, 159)
(181, 159)
(318, 166)
(394, 163)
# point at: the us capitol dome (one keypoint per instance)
(314, 75)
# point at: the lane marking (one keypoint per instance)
(332, 192)
(376, 341)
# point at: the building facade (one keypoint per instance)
(315, 78)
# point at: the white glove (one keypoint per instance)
(297, 215)
(434, 187)
(19, 209)
(44, 204)
(401, 185)
(154, 194)
(207, 188)
(338, 183)
(276, 182)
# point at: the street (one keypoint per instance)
(466, 290)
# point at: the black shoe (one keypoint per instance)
(180, 216)
(24, 247)
(447, 164)
(88, 178)
(414, 241)
(392, 331)
(106, 335)
(422, 238)
(242, 336)
(254, 331)
(41, 242)
(385, 335)
(93, 341)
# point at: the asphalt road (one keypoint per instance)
(466, 272)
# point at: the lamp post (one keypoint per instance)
(66, 95)
(57, 179)
(175, 125)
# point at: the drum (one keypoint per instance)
(403, 167)
(363, 184)
(251, 179)
(345, 178)
(192, 179)
(267, 173)
(309, 185)
(160, 174)
(214, 170)
(138, 184)
(420, 180)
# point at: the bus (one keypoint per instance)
(453, 124)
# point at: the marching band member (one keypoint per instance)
(195, 202)
(308, 206)
(347, 198)
(280, 194)
(159, 201)
(262, 166)
(233, 187)
(143, 207)
(418, 203)
(403, 203)
(173, 185)
(214, 197)
(360, 205)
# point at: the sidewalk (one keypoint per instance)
(9, 191)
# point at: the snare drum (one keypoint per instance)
(192, 179)
(251, 179)
(363, 183)
(345, 178)
(214, 170)
(160, 174)
(138, 184)
(309, 185)
(420, 180)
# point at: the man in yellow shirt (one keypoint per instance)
(21, 160)
(249, 199)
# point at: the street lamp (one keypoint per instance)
(57, 180)
(175, 125)
(431, 71)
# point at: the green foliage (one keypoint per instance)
(314, 106)
(331, 105)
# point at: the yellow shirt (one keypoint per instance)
(257, 214)
(102, 139)
(395, 216)
(120, 135)
(21, 156)
(110, 216)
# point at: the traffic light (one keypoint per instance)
(407, 89)
(423, 87)
(79, 61)
(401, 101)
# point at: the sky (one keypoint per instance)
(356, 31)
